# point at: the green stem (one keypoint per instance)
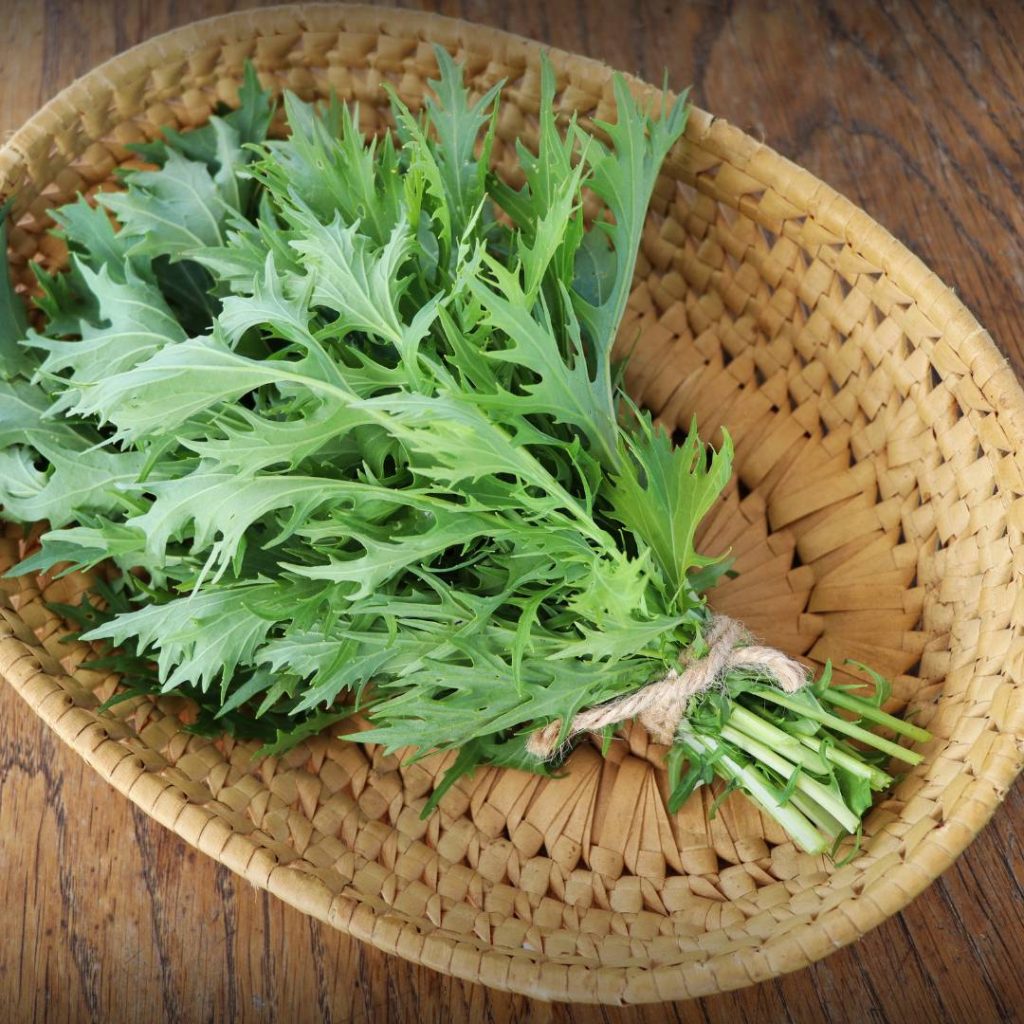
(822, 795)
(818, 815)
(875, 777)
(796, 824)
(766, 732)
(837, 724)
(875, 714)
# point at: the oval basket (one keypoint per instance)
(877, 515)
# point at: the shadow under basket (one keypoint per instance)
(876, 515)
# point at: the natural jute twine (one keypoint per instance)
(661, 706)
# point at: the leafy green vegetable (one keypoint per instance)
(342, 412)
(13, 322)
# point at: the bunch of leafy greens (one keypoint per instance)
(342, 414)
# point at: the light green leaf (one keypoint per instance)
(425, 189)
(136, 322)
(331, 169)
(542, 202)
(623, 178)
(562, 390)
(14, 360)
(84, 547)
(170, 211)
(351, 277)
(202, 637)
(458, 125)
(248, 442)
(268, 306)
(185, 380)
(75, 482)
(385, 554)
(90, 234)
(214, 510)
(595, 269)
(23, 409)
(663, 492)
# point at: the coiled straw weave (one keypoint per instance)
(878, 515)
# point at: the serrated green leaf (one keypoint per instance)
(458, 124)
(203, 637)
(332, 170)
(170, 211)
(384, 555)
(76, 481)
(134, 322)
(623, 178)
(564, 390)
(216, 509)
(23, 420)
(89, 233)
(663, 492)
(14, 360)
(185, 380)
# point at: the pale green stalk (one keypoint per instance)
(796, 824)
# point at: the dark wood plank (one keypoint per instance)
(914, 110)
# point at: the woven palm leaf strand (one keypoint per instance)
(879, 503)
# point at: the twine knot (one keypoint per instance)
(661, 706)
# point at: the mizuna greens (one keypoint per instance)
(342, 414)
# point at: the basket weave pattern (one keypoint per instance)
(877, 515)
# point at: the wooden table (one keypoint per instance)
(914, 110)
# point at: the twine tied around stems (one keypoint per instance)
(660, 706)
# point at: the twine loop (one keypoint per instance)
(661, 706)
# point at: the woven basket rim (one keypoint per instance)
(84, 731)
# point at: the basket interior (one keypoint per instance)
(871, 518)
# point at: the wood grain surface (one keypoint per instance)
(913, 109)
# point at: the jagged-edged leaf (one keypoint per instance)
(75, 481)
(170, 211)
(383, 553)
(182, 381)
(623, 177)
(351, 276)
(332, 170)
(23, 420)
(664, 491)
(89, 233)
(84, 547)
(14, 360)
(244, 440)
(215, 509)
(561, 389)
(134, 321)
(203, 637)
(458, 125)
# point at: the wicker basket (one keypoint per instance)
(878, 515)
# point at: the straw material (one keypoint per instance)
(877, 515)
